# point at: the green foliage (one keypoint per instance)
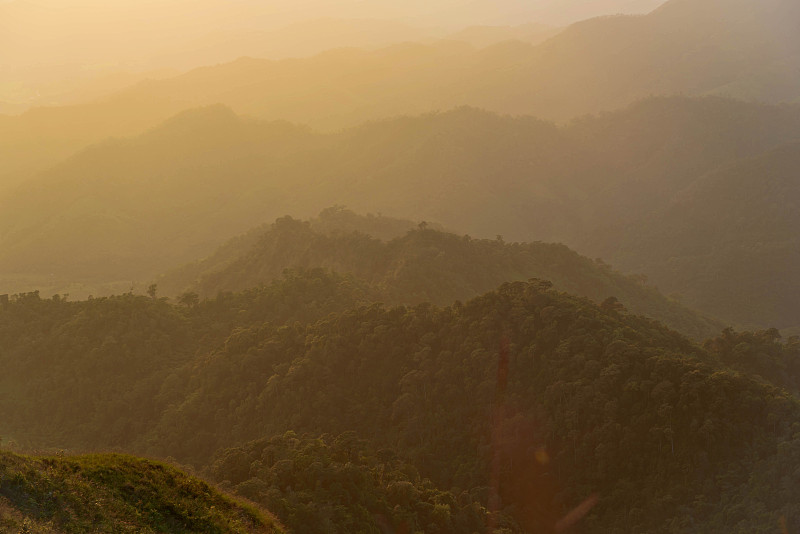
(87, 363)
(597, 402)
(112, 493)
(101, 370)
(761, 353)
(337, 484)
(740, 224)
(426, 265)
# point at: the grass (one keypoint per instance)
(116, 493)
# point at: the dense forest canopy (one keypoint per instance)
(587, 386)
(423, 265)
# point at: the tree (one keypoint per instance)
(190, 299)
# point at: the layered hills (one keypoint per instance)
(113, 493)
(737, 48)
(606, 185)
(453, 362)
(564, 398)
(419, 265)
(736, 227)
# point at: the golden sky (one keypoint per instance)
(49, 42)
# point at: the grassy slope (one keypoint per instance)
(114, 493)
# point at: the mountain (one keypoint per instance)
(484, 36)
(330, 221)
(524, 400)
(113, 493)
(130, 209)
(423, 265)
(701, 47)
(738, 48)
(139, 206)
(122, 198)
(734, 232)
(342, 484)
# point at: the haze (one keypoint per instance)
(441, 266)
(50, 50)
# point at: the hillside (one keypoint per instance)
(574, 376)
(423, 265)
(342, 484)
(136, 207)
(566, 399)
(127, 210)
(112, 493)
(103, 210)
(740, 224)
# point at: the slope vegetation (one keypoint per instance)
(524, 400)
(112, 493)
(736, 227)
(424, 265)
(604, 185)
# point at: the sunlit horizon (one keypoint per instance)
(52, 49)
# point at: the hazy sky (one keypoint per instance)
(276, 12)
(49, 41)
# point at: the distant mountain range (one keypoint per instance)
(607, 186)
(734, 48)
(53, 63)
(418, 265)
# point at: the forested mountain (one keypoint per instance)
(137, 207)
(118, 200)
(736, 48)
(129, 209)
(736, 227)
(340, 483)
(566, 399)
(111, 493)
(422, 265)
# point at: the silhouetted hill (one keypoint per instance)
(728, 239)
(201, 174)
(135, 207)
(112, 493)
(126, 210)
(333, 220)
(734, 48)
(659, 146)
(738, 48)
(424, 265)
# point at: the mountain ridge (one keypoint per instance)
(587, 184)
